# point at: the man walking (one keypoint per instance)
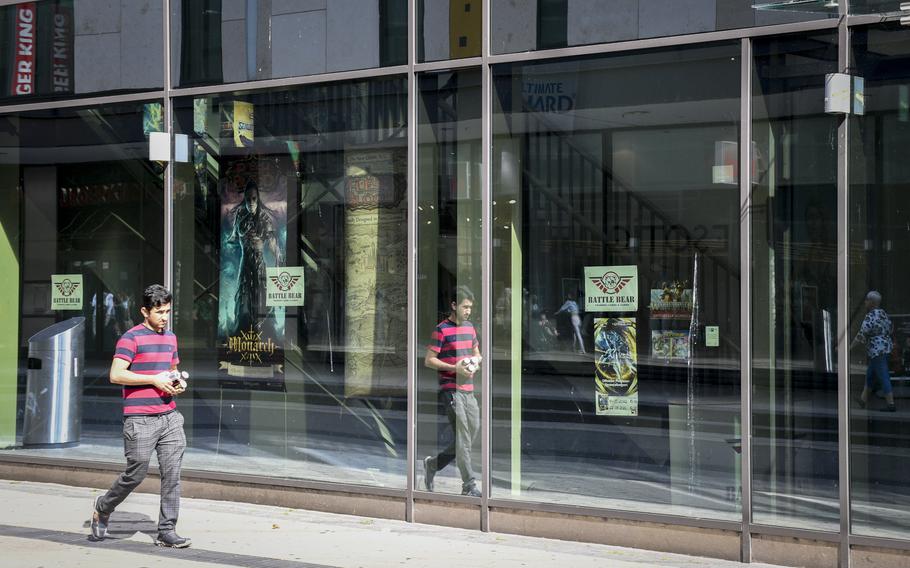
(143, 359)
(454, 353)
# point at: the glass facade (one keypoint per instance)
(549, 24)
(874, 6)
(879, 368)
(623, 394)
(449, 29)
(655, 278)
(66, 48)
(311, 197)
(794, 284)
(449, 211)
(234, 41)
(83, 221)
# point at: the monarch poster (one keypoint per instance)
(253, 239)
(616, 367)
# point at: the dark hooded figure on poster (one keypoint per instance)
(254, 230)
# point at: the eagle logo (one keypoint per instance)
(611, 282)
(284, 281)
(67, 287)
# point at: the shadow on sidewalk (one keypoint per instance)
(125, 525)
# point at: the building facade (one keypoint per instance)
(670, 214)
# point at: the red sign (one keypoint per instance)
(23, 82)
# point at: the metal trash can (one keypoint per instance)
(53, 395)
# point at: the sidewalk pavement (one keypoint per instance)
(47, 525)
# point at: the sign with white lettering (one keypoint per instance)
(611, 288)
(712, 336)
(23, 80)
(66, 291)
(284, 286)
(62, 48)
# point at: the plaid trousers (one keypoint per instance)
(464, 418)
(141, 435)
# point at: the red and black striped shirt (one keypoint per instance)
(453, 342)
(148, 353)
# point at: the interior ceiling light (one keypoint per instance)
(826, 6)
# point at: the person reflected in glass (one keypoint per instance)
(534, 307)
(503, 313)
(455, 355)
(254, 231)
(544, 334)
(109, 322)
(570, 306)
(875, 334)
(123, 309)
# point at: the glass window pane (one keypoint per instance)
(449, 29)
(874, 6)
(794, 283)
(552, 23)
(62, 48)
(82, 233)
(449, 268)
(230, 41)
(290, 285)
(546, 24)
(879, 246)
(616, 334)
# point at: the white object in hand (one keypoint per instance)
(471, 364)
(180, 376)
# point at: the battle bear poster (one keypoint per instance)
(616, 367)
(253, 238)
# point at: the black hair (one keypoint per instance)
(155, 295)
(460, 294)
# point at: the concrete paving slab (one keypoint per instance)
(47, 525)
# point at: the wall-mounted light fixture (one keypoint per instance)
(845, 94)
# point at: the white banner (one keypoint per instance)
(611, 288)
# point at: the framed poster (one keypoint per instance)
(66, 292)
(615, 367)
(611, 288)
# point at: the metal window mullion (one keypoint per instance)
(83, 102)
(486, 271)
(867, 19)
(412, 103)
(448, 64)
(296, 81)
(169, 168)
(843, 359)
(745, 287)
